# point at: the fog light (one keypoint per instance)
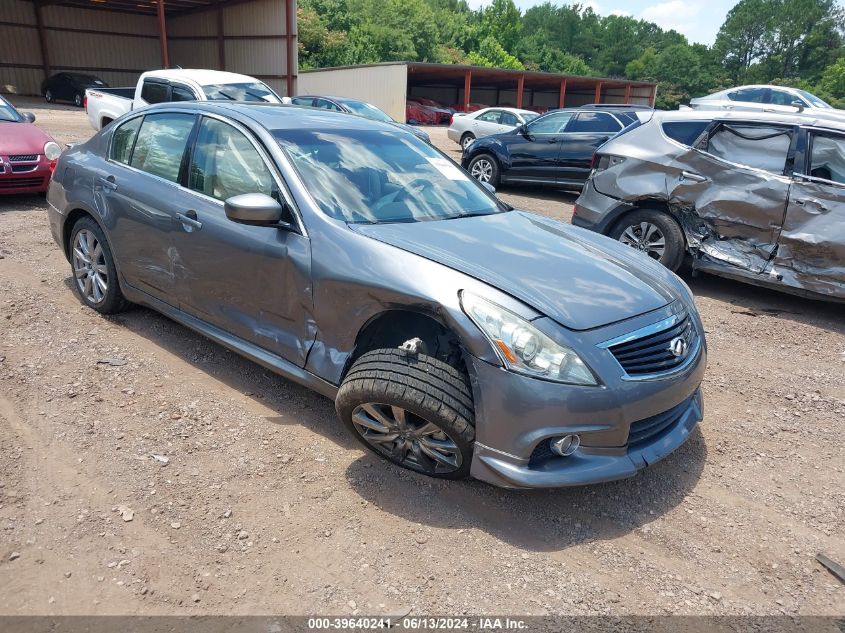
(566, 445)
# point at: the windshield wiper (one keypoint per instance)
(228, 96)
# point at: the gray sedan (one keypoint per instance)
(457, 336)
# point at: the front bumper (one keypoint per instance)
(517, 417)
(25, 176)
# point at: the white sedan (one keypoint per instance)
(764, 98)
(465, 128)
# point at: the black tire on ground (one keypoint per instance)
(48, 96)
(113, 301)
(675, 245)
(428, 389)
(480, 163)
(466, 139)
(77, 100)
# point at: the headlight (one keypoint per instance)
(522, 347)
(52, 150)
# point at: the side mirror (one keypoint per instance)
(256, 209)
(489, 188)
(29, 117)
(798, 104)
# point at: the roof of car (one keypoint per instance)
(201, 76)
(280, 116)
(753, 116)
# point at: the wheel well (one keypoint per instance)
(72, 218)
(106, 120)
(649, 205)
(467, 133)
(392, 328)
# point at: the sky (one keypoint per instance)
(699, 20)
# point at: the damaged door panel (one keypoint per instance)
(730, 192)
(811, 250)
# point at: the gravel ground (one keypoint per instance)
(266, 505)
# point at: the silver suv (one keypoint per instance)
(756, 197)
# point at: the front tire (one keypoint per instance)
(412, 410)
(466, 139)
(94, 273)
(655, 234)
(484, 168)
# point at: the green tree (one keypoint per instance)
(491, 53)
(502, 21)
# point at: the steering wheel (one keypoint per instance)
(418, 184)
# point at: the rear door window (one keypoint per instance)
(123, 140)
(751, 95)
(759, 146)
(827, 157)
(161, 144)
(154, 91)
(684, 132)
(594, 122)
(509, 118)
(303, 101)
(492, 116)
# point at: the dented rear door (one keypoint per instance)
(811, 250)
(731, 191)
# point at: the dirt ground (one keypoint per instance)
(268, 506)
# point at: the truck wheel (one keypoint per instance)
(94, 272)
(655, 234)
(413, 410)
(466, 139)
(484, 168)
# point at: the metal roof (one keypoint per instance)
(144, 7)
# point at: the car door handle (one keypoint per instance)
(688, 175)
(552, 140)
(804, 201)
(108, 182)
(189, 218)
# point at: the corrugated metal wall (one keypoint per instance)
(384, 85)
(119, 46)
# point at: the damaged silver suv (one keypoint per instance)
(755, 197)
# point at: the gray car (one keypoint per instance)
(457, 336)
(757, 197)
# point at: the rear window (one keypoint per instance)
(596, 122)
(684, 132)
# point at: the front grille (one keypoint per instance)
(15, 183)
(652, 353)
(22, 169)
(646, 429)
(23, 158)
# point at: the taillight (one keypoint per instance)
(451, 119)
(85, 103)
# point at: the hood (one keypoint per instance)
(21, 138)
(580, 280)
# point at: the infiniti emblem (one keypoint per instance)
(678, 347)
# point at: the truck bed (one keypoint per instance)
(124, 93)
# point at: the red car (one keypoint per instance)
(27, 154)
(417, 113)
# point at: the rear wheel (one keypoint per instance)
(94, 272)
(77, 100)
(484, 168)
(413, 410)
(466, 139)
(48, 96)
(655, 234)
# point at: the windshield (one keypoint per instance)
(814, 100)
(375, 176)
(8, 112)
(86, 79)
(367, 111)
(255, 91)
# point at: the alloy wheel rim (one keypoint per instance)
(467, 141)
(482, 170)
(407, 438)
(49, 96)
(77, 100)
(89, 267)
(645, 237)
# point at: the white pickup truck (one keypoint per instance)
(104, 105)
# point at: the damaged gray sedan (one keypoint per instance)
(457, 336)
(756, 197)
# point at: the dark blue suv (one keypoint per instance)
(556, 148)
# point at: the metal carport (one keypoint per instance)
(119, 39)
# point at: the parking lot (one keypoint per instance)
(267, 505)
